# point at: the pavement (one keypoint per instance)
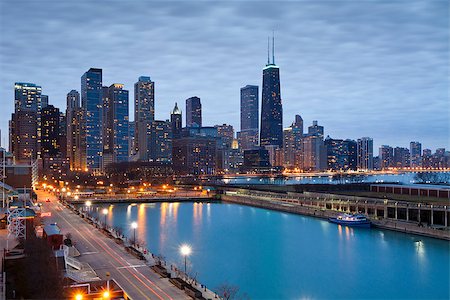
(104, 255)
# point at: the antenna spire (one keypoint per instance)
(273, 47)
(268, 47)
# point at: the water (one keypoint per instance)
(275, 255)
(404, 178)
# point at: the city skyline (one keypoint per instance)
(335, 98)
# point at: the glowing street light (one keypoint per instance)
(105, 212)
(185, 250)
(78, 296)
(134, 225)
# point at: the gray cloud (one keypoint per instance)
(372, 68)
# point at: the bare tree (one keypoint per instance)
(227, 291)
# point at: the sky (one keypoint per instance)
(361, 68)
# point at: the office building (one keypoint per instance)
(50, 140)
(386, 157)
(271, 110)
(144, 109)
(76, 142)
(341, 154)
(292, 139)
(193, 112)
(196, 155)
(415, 149)
(249, 134)
(401, 157)
(314, 153)
(176, 121)
(159, 141)
(365, 154)
(91, 103)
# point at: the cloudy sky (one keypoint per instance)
(361, 68)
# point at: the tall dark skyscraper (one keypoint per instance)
(176, 121)
(76, 143)
(144, 110)
(193, 112)
(249, 135)
(91, 102)
(272, 110)
(50, 130)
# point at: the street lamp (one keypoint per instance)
(105, 212)
(185, 250)
(88, 205)
(134, 225)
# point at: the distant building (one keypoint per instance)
(315, 129)
(256, 159)
(226, 133)
(401, 157)
(271, 110)
(131, 140)
(194, 155)
(91, 103)
(341, 154)
(144, 109)
(50, 131)
(193, 112)
(386, 156)
(292, 144)
(249, 134)
(365, 153)
(159, 141)
(176, 121)
(314, 153)
(415, 149)
(115, 124)
(76, 142)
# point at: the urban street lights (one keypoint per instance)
(134, 225)
(88, 205)
(105, 212)
(185, 250)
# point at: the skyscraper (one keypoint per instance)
(91, 102)
(193, 112)
(401, 157)
(50, 131)
(415, 149)
(365, 153)
(176, 121)
(386, 156)
(248, 136)
(159, 141)
(144, 109)
(115, 124)
(76, 143)
(272, 110)
(292, 137)
(25, 131)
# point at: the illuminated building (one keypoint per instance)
(365, 153)
(176, 120)
(401, 157)
(144, 110)
(159, 141)
(76, 143)
(314, 153)
(415, 149)
(292, 142)
(386, 156)
(91, 103)
(249, 135)
(272, 110)
(341, 154)
(193, 112)
(194, 155)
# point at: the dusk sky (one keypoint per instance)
(361, 68)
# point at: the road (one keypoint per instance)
(104, 255)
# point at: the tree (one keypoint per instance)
(227, 291)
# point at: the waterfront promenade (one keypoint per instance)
(104, 255)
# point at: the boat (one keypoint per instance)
(355, 220)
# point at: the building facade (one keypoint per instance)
(386, 156)
(365, 153)
(159, 141)
(193, 112)
(144, 109)
(176, 121)
(415, 149)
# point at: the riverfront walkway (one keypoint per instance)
(104, 255)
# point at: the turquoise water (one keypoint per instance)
(275, 255)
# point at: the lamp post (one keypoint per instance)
(105, 212)
(134, 225)
(185, 250)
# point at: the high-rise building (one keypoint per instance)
(249, 135)
(91, 103)
(292, 137)
(341, 154)
(144, 109)
(193, 112)
(50, 131)
(131, 140)
(159, 141)
(76, 142)
(415, 149)
(62, 134)
(401, 157)
(195, 155)
(386, 156)
(226, 133)
(25, 131)
(115, 124)
(176, 121)
(44, 101)
(365, 153)
(315, 129)
(272, 110)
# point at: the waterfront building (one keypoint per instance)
(256, 159)
(427, 158)
(25, 125)
(144, 110)
(176, 121)
(195, 155)
(352, 147)
(193, 112)
(401, 157)
(386, 156)
(249, 133)
(159, 141)
(271, 110)
(76, 142)
(226, 133)
(131, 140)
(115, 124)
(292, 142)
(315, 129)
(91, 103)
(365, 153)
(415, 149)
(314, 153)
(340, 154)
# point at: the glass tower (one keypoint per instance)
(193, 112)
(144, 110)
(272, 110)
(91, 102)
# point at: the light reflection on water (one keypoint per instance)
(276, 255)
